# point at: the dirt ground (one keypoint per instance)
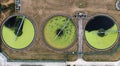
(40, 10)
(39, 50)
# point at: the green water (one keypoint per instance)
(22, 41)
(68, 36)
(105, 42)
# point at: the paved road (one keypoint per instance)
(80, 39)
(36, 64)
(80, 62)
(3, 60)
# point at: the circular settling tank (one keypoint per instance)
(101, 32)
(18, 32)
(59, 32)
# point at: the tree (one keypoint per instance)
(11, 7)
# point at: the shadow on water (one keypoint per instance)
(14, 23)
(99, 22)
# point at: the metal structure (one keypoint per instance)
(118, 5)
(18, 5)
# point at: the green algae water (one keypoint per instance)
(101, 32)
(25, 34)
(60, 32)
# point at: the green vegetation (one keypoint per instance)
(55, 36)
(105, 42)
(23, 40)
(11, 7)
